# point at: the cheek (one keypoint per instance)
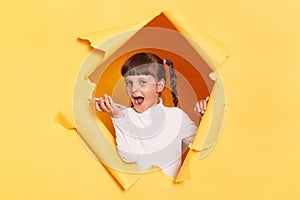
(150, 92)
(128, 92)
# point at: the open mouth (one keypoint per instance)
(138, 100)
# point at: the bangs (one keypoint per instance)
(144, 64)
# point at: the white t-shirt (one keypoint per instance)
(154, 137)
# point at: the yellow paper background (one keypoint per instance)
(257, 156)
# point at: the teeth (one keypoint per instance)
(138, 100)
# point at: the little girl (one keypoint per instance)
(150, 134)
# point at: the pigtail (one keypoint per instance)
(173, 81)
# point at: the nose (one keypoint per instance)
(135, 87)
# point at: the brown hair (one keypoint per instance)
(151, 64)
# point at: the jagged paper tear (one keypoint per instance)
(94, 133)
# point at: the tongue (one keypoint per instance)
(139, 100)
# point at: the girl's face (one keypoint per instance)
(143, 91)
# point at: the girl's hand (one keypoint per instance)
(107, 105)
(200, 106)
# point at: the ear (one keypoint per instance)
(160, 85)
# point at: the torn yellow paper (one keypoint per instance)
(99, 37)
(184, 172)
(210, 127)
(94, 133)
(213, 120)
(120, 36)
(211, 50)
(66, 118)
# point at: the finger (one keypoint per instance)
(103, 105)
(113, 105)
(205, 104)
(202, 106)
(108, 103)
(110, 100)
(197, 107)
(207, 99)
(98, 107)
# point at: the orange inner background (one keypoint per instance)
(191, 84)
